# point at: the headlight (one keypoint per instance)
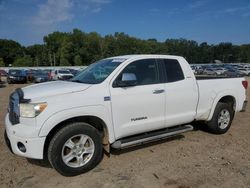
(11, 77)
(30, 110)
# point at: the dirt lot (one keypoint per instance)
(196, 159)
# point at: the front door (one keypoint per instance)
(139, 108)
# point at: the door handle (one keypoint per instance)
(158, 91)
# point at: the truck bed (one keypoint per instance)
(206, 77)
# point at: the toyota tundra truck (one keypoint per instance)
(117, 102)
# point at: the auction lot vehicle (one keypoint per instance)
(16, 76)
(245, 71)
(61, 74)
(40, 76)
(117, 102)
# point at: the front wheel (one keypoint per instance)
(75, 149)
(222, 119)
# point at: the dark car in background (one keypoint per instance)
(16, 76)
(233, 72)
(30, 75)
(40, 76)
(74, 71)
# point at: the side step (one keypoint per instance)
(151, 136)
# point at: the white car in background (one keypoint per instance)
(61, 74)
(245, 71)
(214, 71)
(220, 71)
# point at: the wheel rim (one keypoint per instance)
(224, 119)
(78, 151)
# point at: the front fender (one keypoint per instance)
(60, 116)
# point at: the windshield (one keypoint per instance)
(15, 72)
(97, 72)
(64, 72)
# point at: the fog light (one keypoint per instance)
(21, 147)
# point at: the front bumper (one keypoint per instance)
(244, 106)
(33, 146)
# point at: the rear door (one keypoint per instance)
(181, 93)
(139, 108)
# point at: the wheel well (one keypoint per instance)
(92, 120)
(229, 100)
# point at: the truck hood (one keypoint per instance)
(52, 89)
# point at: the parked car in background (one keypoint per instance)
(209, 71)
(16, 76)
(61, 74)
(233, 72)
(30, 74)
(40, 76)
(193, 69)
(74, 71)
(220, 71)
(199, 70)
(245, 71)
(3, 73)
(1, 81)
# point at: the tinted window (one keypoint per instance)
(173, 70)
(145, 71)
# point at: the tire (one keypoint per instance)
(222, 119)
(71, 136)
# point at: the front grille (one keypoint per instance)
(14, 108)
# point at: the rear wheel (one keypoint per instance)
(222, 119)
(75, 149)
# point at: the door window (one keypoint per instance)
(173, 70)
(145, 71)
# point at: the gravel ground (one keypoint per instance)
(194, 159)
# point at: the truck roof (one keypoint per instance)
(135, 56)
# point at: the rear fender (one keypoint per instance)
(218, 97)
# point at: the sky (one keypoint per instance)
(212, 21)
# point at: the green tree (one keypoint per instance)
(38, 53)
(25, 61)
(64, 62)
(80, 48)
(77, 60)
(2, 63)
(10, 50)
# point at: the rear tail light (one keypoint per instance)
(245, 84)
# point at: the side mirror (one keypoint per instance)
(128, 80)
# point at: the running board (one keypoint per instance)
(151, 136)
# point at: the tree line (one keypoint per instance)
(79, 48)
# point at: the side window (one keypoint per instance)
(173, 70)
(145, 71)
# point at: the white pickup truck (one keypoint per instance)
(117, 102)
